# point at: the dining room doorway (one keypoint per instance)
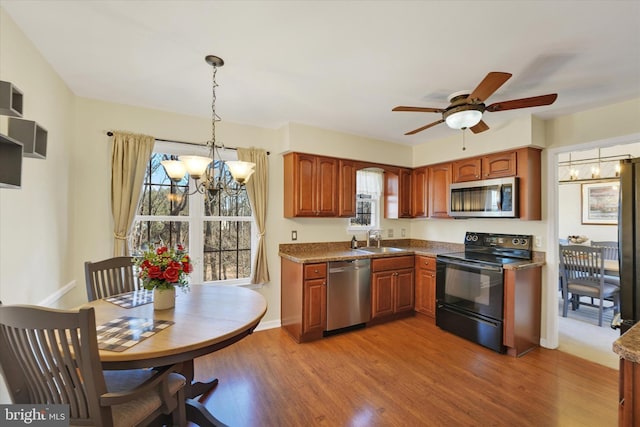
(578, 171)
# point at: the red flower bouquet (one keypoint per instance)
(164, 268)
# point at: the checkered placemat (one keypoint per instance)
(132, 299)
(125, 332)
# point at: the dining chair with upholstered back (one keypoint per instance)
(582, 268)
(51, 357)
(110, 277)
(610, 248)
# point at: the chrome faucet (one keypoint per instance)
(374, 236)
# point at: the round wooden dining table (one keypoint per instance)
(205, 319)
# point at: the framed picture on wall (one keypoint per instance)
(600, 203)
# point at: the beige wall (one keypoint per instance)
(36, 221)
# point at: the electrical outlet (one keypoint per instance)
(403, 232)
(390, 232)
(538, 242)
(294, 235)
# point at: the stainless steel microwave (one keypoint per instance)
(485, 198)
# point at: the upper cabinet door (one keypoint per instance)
(439, 181)
(467, 170)
(305, 183)
(499, 165)
(327, 187)
(419, 193)
(347, 188)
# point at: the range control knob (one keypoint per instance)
(515, 241)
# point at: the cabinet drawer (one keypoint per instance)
(426, 263)
(391, 263)
(315, 271)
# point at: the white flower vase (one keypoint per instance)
(164, 299)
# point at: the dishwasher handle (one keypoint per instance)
(349, 264)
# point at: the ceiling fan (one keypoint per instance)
(466, 107)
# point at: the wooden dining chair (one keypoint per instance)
(109, 277)
(51, 357)
(610, 248)
(582, 268)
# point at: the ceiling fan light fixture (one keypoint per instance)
(463, 119)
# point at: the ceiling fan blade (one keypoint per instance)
(418, 109)
(535, 101)
(424, 127)
(488, 86)
(480, 127)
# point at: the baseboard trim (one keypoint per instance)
(263, 326)
(55, 297)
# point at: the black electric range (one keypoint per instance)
(470, 286)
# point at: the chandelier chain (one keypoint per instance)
(214, 116)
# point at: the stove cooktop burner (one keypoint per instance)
(494, 249)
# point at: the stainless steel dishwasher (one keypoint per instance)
(348, 293)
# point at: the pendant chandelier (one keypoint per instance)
(203, 169)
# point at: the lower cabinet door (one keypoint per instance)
(382, 294)
(404, 296)
(315, 306)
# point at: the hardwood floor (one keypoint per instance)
(404, 373)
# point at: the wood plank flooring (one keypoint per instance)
(404, 373)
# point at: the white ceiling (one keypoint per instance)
(339, 65)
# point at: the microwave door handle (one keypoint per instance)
(499, 199)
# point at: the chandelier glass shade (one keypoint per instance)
(202, 169)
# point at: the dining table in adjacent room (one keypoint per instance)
(206, 318)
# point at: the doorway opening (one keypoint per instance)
(578, 171)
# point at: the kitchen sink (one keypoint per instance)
(380, 250)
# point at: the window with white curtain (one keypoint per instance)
(368, 196)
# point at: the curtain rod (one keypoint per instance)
(109, 133)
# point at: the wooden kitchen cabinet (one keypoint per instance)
(466, 170)
(392, 287)
(529, 176)
(303, 308)
(425, 270)
(629, 394)
(439, 196)
(397, 193)
(420, 192)
(347, 184)
(310, 186)
(499, 165)
(522, 306)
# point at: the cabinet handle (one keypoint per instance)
(315, 271)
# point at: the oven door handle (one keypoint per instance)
(474, 265)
